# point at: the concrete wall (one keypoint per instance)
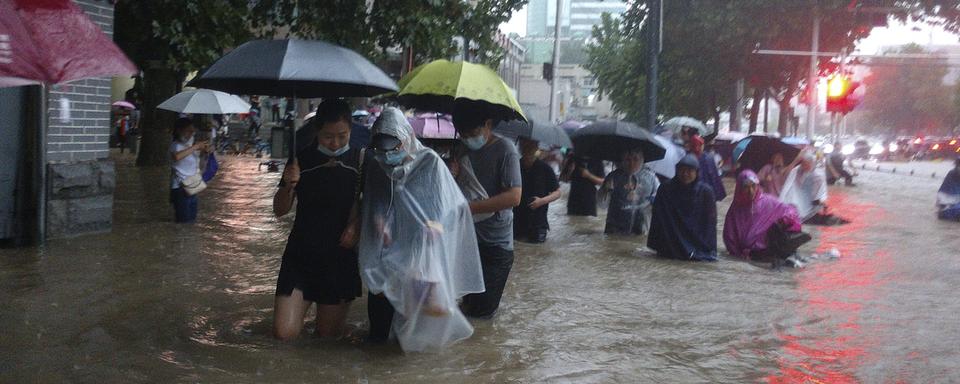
(80, 177)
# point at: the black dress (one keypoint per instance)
(538, 181)
(583, 193)
(313, 260)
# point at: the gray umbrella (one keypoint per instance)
(545, 134)
(609, 140)
(296, 68)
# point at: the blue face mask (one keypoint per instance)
(474, 143)
(394, 157)
(337, 153)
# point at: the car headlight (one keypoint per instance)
(828, 148)
(847, 149)
(876, 149)
(893, 147)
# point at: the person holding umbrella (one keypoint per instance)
(708, 166)
(319, 264)
(185, 156)
(584, 175)
(496, 165)
(684, 223)
(540, 188)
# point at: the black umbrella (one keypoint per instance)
(546, 134)
(609, 140)
(761, 148)
(295, 68)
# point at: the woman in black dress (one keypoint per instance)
(319, 264)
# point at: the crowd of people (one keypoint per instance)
(431, 238)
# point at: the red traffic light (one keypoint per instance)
(840, 94)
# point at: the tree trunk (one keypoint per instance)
(755, 108)
(159, 84)
(783, 120)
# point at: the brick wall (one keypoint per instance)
(86, 135)
(80, 177)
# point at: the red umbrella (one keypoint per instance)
(53, 41)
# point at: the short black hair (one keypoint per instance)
(182, 123)
(332, 111)
(467, 121)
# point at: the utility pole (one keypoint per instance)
(812, 78)
(655, 21)
(556, 64)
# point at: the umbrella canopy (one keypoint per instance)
(53, 41)
(571, 126)
(796, 141)
(759, 149)
(546, 134)
(124, 104)
(296, 68)
(667, 166)
(432, 126)
(677, 123)
(205, 101)
(440, 85)
(609, 140)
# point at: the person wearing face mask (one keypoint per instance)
(496, 165)
(418, 250)
(185, 156)
(631, 190)
(319, 264)
(684, 222)
(540, 188)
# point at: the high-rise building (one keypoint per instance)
(577, 17)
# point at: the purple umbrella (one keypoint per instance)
(432, 126)
(124, 104)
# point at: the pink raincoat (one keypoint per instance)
(750, 217)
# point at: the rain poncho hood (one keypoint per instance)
(949, 192)
(684, 223)
(751, 216)
(801, 188)
(417, 245)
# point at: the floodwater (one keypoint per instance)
(158, 302)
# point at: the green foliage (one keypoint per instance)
(909, 97)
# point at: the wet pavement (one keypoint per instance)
(158, 302)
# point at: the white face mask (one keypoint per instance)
(337, 153)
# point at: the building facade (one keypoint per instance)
(577, 17)
(578, 96)
(64, 182)
(513, 57)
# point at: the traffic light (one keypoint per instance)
(548, 71)
(840, 94)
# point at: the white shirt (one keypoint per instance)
(185, 167)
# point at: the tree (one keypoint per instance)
(708, 46)
(170, 38)
(903, 95)
(167, 39)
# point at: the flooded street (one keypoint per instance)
(157, 302)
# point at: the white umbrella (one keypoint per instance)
(205, 101)
(667, 167)
(676, 123)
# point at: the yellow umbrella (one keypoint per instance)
(440, 85)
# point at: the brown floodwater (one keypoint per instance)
(157, 302)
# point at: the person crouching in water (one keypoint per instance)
(540, 188)
(319, 265)
(418, 250)
(684, 223)
(631, 190)
(758, 226)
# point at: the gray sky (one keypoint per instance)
(895, 34)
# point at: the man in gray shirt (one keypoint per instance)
(496, 164)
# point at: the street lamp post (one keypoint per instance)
(812, 95)
(556, 64)
(655, 20)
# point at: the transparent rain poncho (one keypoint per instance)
(417, 244)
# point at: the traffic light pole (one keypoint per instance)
(812, 94)
(556, 64)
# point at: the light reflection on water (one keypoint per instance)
(157, 302)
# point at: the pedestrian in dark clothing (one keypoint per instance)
(496, 165)
(540, 188)
(255, 118)
(684, 223)
(835, 170)
(709, 173)
(584, 176)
